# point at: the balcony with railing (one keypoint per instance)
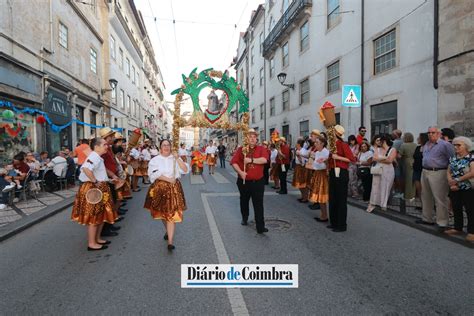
(295, 12)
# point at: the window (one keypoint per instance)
(304, 36)
(122, 99)
(120, 58)
(253, 116)
(262, 136)
(128, 103)
(333, 77)
(338, 118)
(333, 13)
(304, 91)
(127, 67)
(134, 105)
(385, 52)
(93, 58)
(261, 77)
(272, 106)
(251, 56)
(285, 131)
(114, 95)
(260, 39)
(138, 79)
(383, 118)
(285, 100)
(284, 53)
(261, 111)
(93, 121)
(304, 128)
(112, 47)
(272, 67)
(80, 117)
(63, 35)
(133, 74)
(252, 84)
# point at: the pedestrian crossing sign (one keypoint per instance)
(351, 95)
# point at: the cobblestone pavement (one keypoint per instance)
(32, 205)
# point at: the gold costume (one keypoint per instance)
(93, 214)
(166, 201)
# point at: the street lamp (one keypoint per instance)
(281, 78)
(112, 83)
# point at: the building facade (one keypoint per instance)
(321, 45)
(59, 57)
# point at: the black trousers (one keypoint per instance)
(282, 177)
(266, 167)
(338, 198)
(459, 199)
(366, 180)
(222, 161)
(252, 189)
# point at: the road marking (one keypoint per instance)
(236, 299)
(235, 295)
(219, 178)
(197, 179)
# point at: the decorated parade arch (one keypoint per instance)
(233, 96)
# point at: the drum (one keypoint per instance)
(94, 196)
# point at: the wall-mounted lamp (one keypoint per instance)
(113, 85)
(281, 78)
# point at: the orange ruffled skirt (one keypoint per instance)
(166, 201)
(211, 161)
(142, 169)
(319, 186)
(124, 193)
(299, 177)
(93, 214)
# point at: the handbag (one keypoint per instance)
(363, 171)
(376, 170)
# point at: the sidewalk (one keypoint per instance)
(24, 214)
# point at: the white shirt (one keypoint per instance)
(58, 164)
(163, 166)
(324, 153)
(154, 152)
(94, 163)
(135, 153)
(146, 155)
(182, 152)
(364, 157)
(304, 154)
(211, 149)
(273, 155)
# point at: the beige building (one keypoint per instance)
(454, 73)
(63, 58)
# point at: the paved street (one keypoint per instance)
(377, 267)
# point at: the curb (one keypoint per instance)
(12, 229)
(409, 220)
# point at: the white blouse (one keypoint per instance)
(135, 153)
(94, 163)
(211, 150)
(182, 152)
(304, 155)
(324, 153)
(146, 154)
(273, 156)
(163, 166)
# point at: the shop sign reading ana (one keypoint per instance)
(239, 276)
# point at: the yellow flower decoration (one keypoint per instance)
(106, 197)
(152, 193)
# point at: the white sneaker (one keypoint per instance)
(3, 206)
(16, 200)
(8, 187)
(19, 186)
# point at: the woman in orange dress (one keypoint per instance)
(94, 175)
(165, 198)
(319, 182)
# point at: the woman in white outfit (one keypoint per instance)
(383, 173)
(165, 198)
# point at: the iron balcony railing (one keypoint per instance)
(293, 13)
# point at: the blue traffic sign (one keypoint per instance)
(351, 96)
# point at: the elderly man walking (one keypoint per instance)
(435, 187)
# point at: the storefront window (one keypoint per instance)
(383, 118)
(80, 127)
(16, 135)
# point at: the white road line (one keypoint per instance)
(235, 295)
(236, 299)
(196, 179)
(219, 178)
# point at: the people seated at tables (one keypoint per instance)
(56, 167)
